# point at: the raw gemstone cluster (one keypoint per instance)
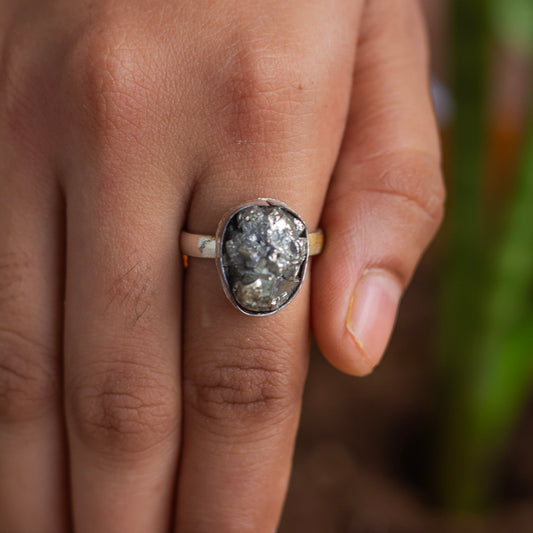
(264, 251)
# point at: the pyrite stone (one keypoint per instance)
(263, 257)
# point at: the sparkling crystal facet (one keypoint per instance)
(263, 257)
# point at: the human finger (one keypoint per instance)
(385, 201)
(243, 376)
(125, 197)
(33, 477)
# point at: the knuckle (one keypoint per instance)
(243, 387)
(261, 91)
(411, 177)
(27, 387)
(114, 79)
(418, 182)
(123, 407)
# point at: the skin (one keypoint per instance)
(133, 396)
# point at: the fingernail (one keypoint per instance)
(372, 314)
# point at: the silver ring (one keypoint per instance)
(261, 250)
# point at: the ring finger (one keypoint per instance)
(244, 376)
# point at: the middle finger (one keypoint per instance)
(122, 317)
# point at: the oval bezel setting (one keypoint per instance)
(262, 255)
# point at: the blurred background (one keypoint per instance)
(440, 437)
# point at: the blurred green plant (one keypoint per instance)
(486, 324)
(512, 21)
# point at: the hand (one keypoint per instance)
(122, 122)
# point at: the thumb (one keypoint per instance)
(386, 197)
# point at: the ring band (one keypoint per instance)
(261, 250)
(195, 245)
